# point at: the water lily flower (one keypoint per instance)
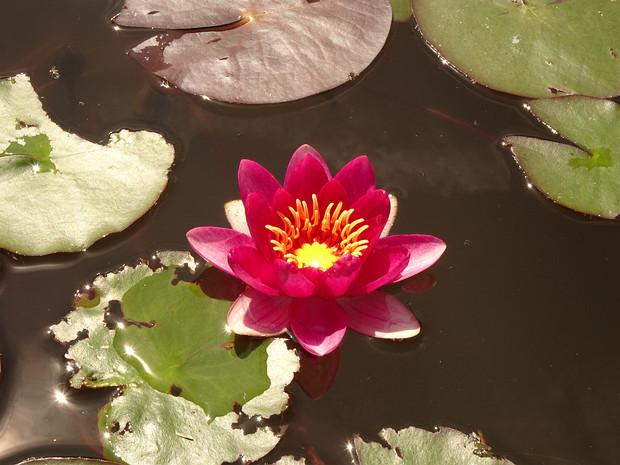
(314, 252)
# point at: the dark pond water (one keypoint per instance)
(520, 334)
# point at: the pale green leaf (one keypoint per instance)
(61, 193)
(415, 446)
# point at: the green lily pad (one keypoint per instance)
(177, 341)
(585, 178)
(147, 424)
(401, 10)
(61, 193)
(535, 48)
(34, 152)
(415, 446)
(65, 461)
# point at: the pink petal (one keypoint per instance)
(275, 277)
(379, 314)
(281, 201)
(372, 204)
(250, 266)
(424, 251)
(382, 267)
(258, 214)
(333, 192)
(298, 155)
(258, 314)
(291, 280)
(334, 281)
(306, 178)
(318, 324)
(254, 178)
(214, 244)
(374, 208)
(357, 177)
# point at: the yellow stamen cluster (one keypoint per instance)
(308, 237)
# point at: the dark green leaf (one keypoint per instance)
(35, 152)
(585, 178)
(178, 341)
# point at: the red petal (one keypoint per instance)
(334, 281)
(291, 280)
(424, 251)
(258, 314)
(214, 244)
(251, 267)
(357, 177)
(332, 191)
(254, 178)
(379, 314)
(258, 214)
(383, 266)
(298, 155)
(306, 178)
(318, 324)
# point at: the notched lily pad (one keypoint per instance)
(415, 446)
(534, 48)
(61, 193)
(279, 51)
(173, 356)
(585, 177)
(177, 341)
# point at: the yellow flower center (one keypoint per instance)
(309, 237)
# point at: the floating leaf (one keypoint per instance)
(66, 461)
(585, 178)
(149, 426)
(401, 10)
(415, 446)
(61, 193)
(177, 342)
(535, 48)
(290, 460)
(280, 51)
(34, 150)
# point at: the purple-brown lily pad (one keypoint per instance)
(273, 52)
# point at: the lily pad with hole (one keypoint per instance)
(584, 176)
(276, 52)
(61, 193)
(415, 446)
(183, 374)
(534, 48)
